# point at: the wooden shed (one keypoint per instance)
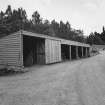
(25, 48)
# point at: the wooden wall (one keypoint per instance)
(41, 51)
(52, 51)
(10, 50)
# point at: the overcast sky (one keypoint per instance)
(88, 15)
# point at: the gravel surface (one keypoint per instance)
(80, 82)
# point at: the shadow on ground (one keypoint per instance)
(6, 72)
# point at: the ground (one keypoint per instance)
(79, 82)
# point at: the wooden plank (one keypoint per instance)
(10, 49)
(52, 50)
(77, 52)
(70, 51)
(41, 52)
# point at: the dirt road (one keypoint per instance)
(80, 82)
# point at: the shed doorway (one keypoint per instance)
(65, 52)
(84, 51)
(33, 50)
(79, 51)
(73, 52)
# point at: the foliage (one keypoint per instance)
(14, 20)
(96, 38)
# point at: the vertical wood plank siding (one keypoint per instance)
(10, 50)
(52, 51)
(41, 52)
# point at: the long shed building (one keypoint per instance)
(25, 48)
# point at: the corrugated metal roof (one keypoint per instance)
(63, 41)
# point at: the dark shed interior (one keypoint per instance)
(65, 52)
(73, 52)
(33, 50)
(79, 51)
(84, 51)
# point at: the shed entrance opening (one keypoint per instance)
(88, 54)
(80, 51)
(84, 51)
(33, 50)
(65, 52)
(73, 52)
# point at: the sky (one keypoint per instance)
(87, 15)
